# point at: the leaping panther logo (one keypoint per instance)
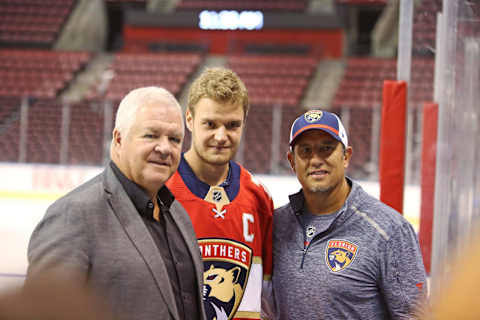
(340, 254)
(222, 290)
(227, 266)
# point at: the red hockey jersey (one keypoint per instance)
(233, 223)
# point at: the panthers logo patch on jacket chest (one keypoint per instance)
(339, 254)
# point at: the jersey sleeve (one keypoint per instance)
(403, 279)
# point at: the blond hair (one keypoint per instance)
(222, 85)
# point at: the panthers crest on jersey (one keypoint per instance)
(227, 267)
(340, 254)
(233, 223)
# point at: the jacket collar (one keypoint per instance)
(139, 196)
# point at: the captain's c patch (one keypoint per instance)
(339, 254)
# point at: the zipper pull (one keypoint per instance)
(305, 248)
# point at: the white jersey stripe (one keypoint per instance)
(251, 300)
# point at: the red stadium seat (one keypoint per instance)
(168, 70)
(272, 81)
(360, 91)
(36, 23)
(265, 5)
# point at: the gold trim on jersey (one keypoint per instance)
(218, 197)
(257, 260)
(205, 243)
(247, 315)
(233, 242)
(223, 259)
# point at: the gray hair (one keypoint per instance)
(127, 110)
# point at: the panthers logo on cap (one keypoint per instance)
(313, 115)
(340, 254)
(227, 266)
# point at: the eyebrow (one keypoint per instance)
(220, 119)
(162, 131)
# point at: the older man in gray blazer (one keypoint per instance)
(122, 232)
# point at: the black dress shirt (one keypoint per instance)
(175, 254)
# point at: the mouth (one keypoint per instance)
(159, 163)
(219, 148)
(318, 173)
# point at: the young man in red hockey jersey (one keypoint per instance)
(231, 211)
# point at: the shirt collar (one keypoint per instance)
(139, 196)
(200, 188)
(297, 201)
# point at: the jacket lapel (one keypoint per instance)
(138, 233)
(185, 226)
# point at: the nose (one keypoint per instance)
(163, 147)
(221, 135)
(316, 159)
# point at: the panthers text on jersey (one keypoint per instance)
(233, 223)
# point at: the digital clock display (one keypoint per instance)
(230, 20)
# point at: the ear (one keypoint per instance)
(189, 120)
(117, 138)
(235, 274)
(291, 159)
(347, 156)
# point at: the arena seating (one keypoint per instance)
(9, 143)
(41, 76)
(360, 91)
(85, 138)
(265, 5)
(38, 73)
(424, 26)
(363, 2)
(361, 86)
(258, 136)
(33, 23)
(168, 70)
(9, 113)
(272, 81)
(421, 89)
(122, 2)
(85, 145)
(8, 106)
(43, 134)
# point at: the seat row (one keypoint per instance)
(38, 73)
(44, 135)
(273, 80)
(360, 92)
(32, 21)
(269, 5)
(168, 70)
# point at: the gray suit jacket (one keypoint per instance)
(96, 231)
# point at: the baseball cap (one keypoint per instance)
(319, 120)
